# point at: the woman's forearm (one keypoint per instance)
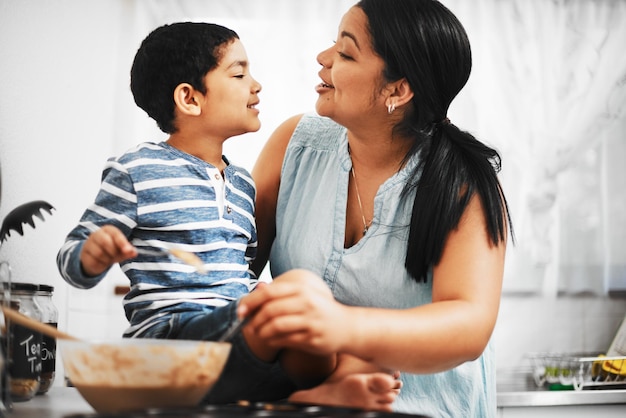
(427, 339)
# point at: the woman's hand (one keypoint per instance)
(105, 247)
(297, 310)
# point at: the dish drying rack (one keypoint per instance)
(578, 371)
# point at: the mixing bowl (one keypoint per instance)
(132, 374)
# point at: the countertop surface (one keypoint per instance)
(518, 389)
(521, 398)
(59, 402)
(63, 402)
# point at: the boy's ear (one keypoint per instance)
(400, 93)
(186, 100)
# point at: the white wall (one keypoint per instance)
(55, 128)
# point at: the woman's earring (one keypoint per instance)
(390, 108)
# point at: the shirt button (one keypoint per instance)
(217, 177)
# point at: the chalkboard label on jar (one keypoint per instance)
(48, 361)
(50, 316)
(25, 362)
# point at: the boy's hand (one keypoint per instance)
(103, 248)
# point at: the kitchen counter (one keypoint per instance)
(59, 402)
(519, 390)
(66, 402)
(562, 397)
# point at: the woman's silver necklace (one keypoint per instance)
(366, 225)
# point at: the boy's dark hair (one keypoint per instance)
(170, 55)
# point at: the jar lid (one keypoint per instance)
(46, 288)
(28, 287)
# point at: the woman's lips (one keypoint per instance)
(323, 87)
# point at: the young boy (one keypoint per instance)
(194, 80)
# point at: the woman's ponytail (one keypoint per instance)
(453, 167)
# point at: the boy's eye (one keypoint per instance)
(240, 76)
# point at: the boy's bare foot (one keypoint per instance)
(370, 391)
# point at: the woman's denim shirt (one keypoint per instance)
(310, 228)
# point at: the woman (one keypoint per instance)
(394, 207)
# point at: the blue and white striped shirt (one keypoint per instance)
(159, 196)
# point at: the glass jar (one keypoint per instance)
(24, 345)
(5, 300)
(50, 316)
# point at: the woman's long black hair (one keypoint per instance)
(423, 42)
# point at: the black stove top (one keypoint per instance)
(267, 410)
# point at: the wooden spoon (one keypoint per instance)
(33, 324)
(185, 256)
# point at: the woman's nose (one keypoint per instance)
(323, 58)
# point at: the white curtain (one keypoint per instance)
(548, 90)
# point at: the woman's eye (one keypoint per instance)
(344, 56)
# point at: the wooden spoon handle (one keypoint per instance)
(185, 256)
(33, 324)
